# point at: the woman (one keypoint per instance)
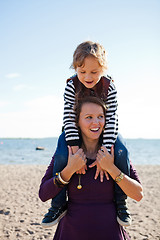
(91, 212)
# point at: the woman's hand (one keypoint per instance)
(105, 159)
(99, 171)
(74, 149)
(77, 161)
(82, 170)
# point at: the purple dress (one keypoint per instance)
(91, 213)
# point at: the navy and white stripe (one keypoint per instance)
(111, 127)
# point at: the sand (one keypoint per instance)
(21, 210)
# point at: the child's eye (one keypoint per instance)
(82, 72)
(94, 72)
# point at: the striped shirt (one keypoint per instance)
(111, 126)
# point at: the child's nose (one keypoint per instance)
(88, 76)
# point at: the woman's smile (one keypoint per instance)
(95, 129)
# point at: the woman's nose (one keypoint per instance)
(95, 121)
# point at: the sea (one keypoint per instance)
(23, 151)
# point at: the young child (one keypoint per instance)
(89, 62)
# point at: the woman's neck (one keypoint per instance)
(90, 148)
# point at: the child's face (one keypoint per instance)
(90, 72)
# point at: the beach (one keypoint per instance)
(21, 210)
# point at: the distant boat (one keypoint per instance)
(40, 148)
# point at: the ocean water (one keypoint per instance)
(23, 151)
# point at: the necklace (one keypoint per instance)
(79, 186)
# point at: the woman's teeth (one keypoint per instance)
(94, 129)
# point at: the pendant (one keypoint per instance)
(79, 182)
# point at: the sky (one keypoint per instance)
(37, 41)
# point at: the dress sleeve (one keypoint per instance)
(71, 131)
(111, 127)
(133, 173)
(47, 188)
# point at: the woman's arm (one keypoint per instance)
(47, 188)
(131, 187)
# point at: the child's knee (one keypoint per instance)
(62, 140)
(121, 156)
(121, 152)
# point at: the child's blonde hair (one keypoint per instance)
(89, 49)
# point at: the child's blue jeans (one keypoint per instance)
(121, 160)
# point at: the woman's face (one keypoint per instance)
(91, 120)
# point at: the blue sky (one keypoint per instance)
(37, 40)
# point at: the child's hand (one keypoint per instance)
(100, 171)
(74, 149)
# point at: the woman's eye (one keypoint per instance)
(82, 72)
(89, 117)
(94, 72)
(101, 117)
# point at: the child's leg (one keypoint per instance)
(61, 154)
(58, 204)
(122, 162)
(121, 155)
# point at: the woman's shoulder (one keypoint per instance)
(49, 171)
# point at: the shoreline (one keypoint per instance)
(21, 210)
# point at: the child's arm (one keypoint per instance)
(111, 127)
(71, 131)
